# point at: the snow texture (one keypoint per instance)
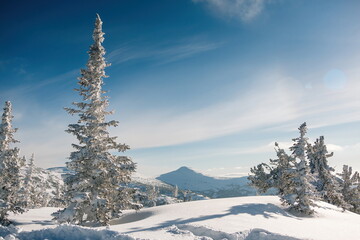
(242, 218)
(63, 232)
(183, 231)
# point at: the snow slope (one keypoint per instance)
(258, 217)
(147, 183)
(186, 178)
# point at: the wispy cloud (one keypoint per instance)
(278, 101)
(40, 139)
(245, 10)
(258, 107)
(161, 53)
(344, 155)
(228, 172)
(33, 87)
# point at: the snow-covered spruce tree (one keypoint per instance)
(152, 195)
(31, 191)
(97, 191)
(176, 191)
(283, 174)
(278, 174)
(28, 190)
(56, 185)
(289, 174)
(40, 188)
(22, 162)
(304, 193)
(325, 182)
(9, 167)
(261, 177)
(48, 189)
(350, 188)
(187, 194)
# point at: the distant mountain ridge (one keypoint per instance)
(61, 170)
(186, 178)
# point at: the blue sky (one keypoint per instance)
(209, 84)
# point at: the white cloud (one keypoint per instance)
(245, 10)
(47, 140)
(258, 107)
(345, 155)
(162, 53)
(226, 172)
(280, 102)
(334, 148)
(20, 91)
(277, 102)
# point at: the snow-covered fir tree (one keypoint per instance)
(283, 175)
(186, 195)
(176, 191)
(28, 190)
(57, 189)
(34, 190)
(9, 167)
(290, 174)
(262, 177)
(278, 174)
(97, 191)
(22, 162)
(303, 197)
(326, 183)
(350, 188)
(152, 195)
(49, 188)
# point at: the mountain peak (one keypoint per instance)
(188, 179)
(185, 169)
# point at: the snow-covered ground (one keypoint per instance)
(250, 218)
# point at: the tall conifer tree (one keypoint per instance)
(303, 192)
(97, 192)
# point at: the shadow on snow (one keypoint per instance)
(265, 210)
